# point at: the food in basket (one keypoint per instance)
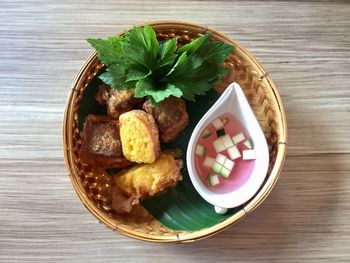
(170, 115)
(100, 143)
(146, 180)
(139, 136)
(117, 101)
(162, 75)
(122, 202)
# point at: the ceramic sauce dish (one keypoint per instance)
(227, 155)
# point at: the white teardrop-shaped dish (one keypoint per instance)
(231, 101)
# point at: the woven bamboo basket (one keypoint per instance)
(92, 186)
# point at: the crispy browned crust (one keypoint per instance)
(171, 181)
(167, 182)
(107, 194)
(102, 94)
(100, 143)
(122, 202)
(149, 122)
(170, 115)
(117, 101)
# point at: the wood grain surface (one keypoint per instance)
(305, 46)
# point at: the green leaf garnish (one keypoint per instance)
(159, 69)
(109, 51)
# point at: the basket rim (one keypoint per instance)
(185, 236)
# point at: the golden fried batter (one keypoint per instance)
(170, 116)
(100, 143)
(117, 101)
(139, 136)
(146, 180)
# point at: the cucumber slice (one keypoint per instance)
(208, 162)
(213, 179)
(249, 155)
(218, 124)
(233, 152)
(238, 138)
(225, 172)
(216, 167)
(220, 158)
(227, 141)
(228, 164)
(206, 133)
(200, 150)
(218, 145)
(248, 144)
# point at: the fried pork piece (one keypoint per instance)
(122, 202)
(170, 116)
(146, 180)
(104, 191)
(117, 101)
(100, 143)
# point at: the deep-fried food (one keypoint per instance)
(100, 143)
(102, 94)
(117, 101)
(122, 202)
(139, 136)
(170, 115)
(146, 180)
(106, 193)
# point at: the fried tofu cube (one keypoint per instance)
(100, 143)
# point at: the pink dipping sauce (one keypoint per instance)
(242, 168)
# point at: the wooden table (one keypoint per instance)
(305, 46)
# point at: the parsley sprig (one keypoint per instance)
(159, 69)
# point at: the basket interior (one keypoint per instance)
(180, 211)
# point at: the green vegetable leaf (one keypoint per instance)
(157, 70)
(167, 52)
(146, 87)
(212, 51)
(151, 40)
(141, 87)
(116, 77)
(109, 51)
(199, 87)
(141, 46)
(195, 44)
(137, 73)
(215, 52)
